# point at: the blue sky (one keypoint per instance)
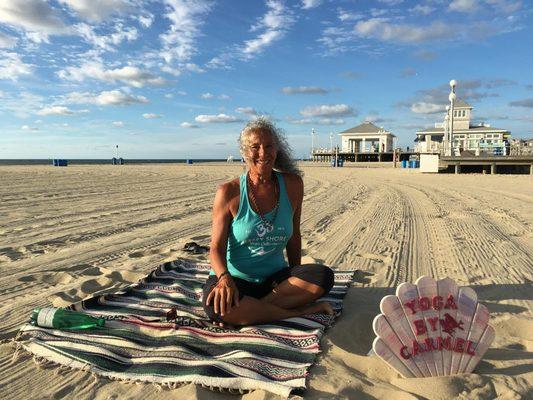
(179, 79)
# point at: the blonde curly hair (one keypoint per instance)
(284, 160)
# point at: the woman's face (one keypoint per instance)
(260, 152)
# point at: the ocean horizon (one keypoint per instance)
(104, 161)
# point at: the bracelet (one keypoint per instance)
(223, 274)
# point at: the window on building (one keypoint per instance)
(464, 113)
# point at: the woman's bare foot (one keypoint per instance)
(322, 307)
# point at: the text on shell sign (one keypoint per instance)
(448, 325)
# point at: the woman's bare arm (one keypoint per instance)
(225, 293)
(220, 228)
(295, 190)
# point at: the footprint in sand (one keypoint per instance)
(375, 257)
(63, 299)
(57, 278)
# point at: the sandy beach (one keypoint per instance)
(70, 233)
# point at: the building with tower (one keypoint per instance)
(475, 139)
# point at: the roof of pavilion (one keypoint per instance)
(366, 128)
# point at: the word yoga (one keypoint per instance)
(432, 328)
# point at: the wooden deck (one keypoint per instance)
(492, 165)
(362, 157)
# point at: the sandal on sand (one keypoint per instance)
(195, 248)
(190, 246)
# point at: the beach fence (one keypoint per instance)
(57, 162)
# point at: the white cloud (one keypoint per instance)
(331, 110)
(169, 96)
(391, 2)
(116, 97)
(106, 41)
(423, 9)
(112, 97)
(146, 20)
(118, 124)
(304, 90)
(194, 68)
(7, 42)
(216, 118)
(12, 66)
(344, 15)
(319, 121)
(375, 119)
(209, 95)
(427, 108)
(274, 25)
(171, 70)
(182, 93)
(382, 29)
(29, 128)
(188, 125)
(36, 17)
(186, 17)
(308, 4)
(96, 10)
(505, 6)
(21, 106)
(55, 110)
(152, 116)
(246, 110)
(132, 76)
(463, 5)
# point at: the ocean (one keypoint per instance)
(108, 161)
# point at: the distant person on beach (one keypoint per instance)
(255, 218)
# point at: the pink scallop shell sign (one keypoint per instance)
(432, 328)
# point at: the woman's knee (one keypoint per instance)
(316, 274)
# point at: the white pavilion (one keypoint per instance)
(366, 138)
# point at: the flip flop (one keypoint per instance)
(200, 249)
(190, 246)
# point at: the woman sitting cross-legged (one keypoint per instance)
(255, 218)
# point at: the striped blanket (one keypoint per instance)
(137, 343)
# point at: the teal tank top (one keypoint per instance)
(255, 252)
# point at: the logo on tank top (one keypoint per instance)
(262, 230)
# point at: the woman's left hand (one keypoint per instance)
(224, 294)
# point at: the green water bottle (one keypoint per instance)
(59, 318)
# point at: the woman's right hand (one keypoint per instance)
(224, 295)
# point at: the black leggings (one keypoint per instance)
(317, 274)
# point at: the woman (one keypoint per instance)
(256, 217)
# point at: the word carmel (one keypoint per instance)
(458, 345)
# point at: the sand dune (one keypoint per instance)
(69, 233)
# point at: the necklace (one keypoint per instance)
(269, 225)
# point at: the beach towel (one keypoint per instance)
(138, 344)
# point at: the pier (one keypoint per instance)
(487, 164)
(326, 156)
